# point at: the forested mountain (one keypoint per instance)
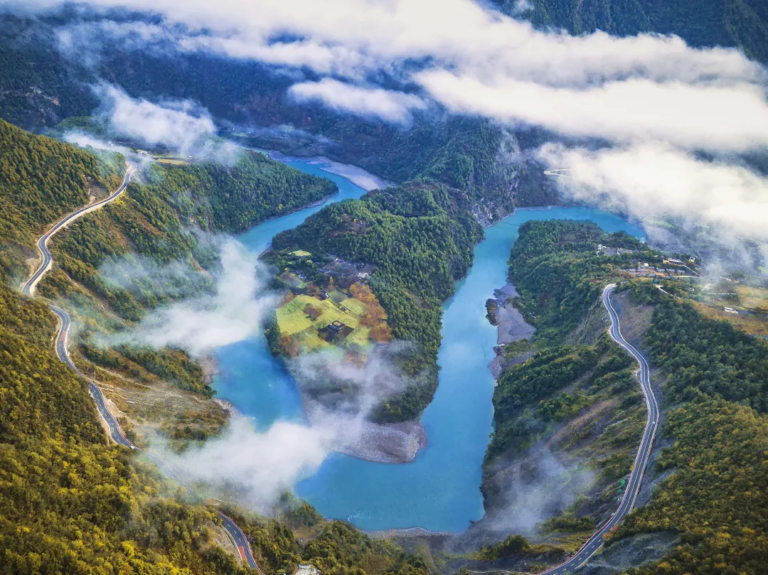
(40, 87)
(710, 487)
(68, 502)
(41, 179)
(419, 240)
(559, 274)
(160, 219)
(156, 220)
(71, 504)
(729, 23)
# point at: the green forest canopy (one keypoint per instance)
(68, 502)
(420, 239)
(714, 404)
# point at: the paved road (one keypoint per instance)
(42, 243)
(61, 351)
(241, 541)
(643, 453)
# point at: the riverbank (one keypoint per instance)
(354, 174)
(374, 442)
(440, 489)
(511, 327)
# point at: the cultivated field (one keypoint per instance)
(295, 320)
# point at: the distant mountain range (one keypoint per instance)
(704, 23)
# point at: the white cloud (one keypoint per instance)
(626, 90)
(83, 40)
(233, 313)
(681, 114)
(638, 93)
(143, 276)
(371, 380)
(653, 181)
(479, 61)
(323, 59)
(177, 125)
(385, 104)
(520, 7)
(340, 392)
(347, 35)
(88, 141)
(537, 490)
(257, 466)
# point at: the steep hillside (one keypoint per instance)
(581, 404)
(157, 220)
(70, 504)
(729, 23)
(164, 220)
(40, 180)
(568, 412)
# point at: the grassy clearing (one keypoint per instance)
(293, 280)
(308, 331)
(291, 318)
(355, 306)
(309, 341)
(753, 298)
(329, 313)
(301, 253)
(360, 337)
(748, 323)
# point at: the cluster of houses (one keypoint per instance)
(306, 569)
(646, 269)
(678, 268)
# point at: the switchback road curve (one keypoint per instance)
(42, 243)
(238, 536)
(595, 542)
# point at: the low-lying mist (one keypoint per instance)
(234, 311)
(252, 462)
(539, 493)
(179, 128)
(254, 467)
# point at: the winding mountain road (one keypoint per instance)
(241, 542)
(42, 243)
(595, 542)
(65, 322)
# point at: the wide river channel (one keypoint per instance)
(441, 489)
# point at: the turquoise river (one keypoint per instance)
(441, 489)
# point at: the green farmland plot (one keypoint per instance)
(294, 322)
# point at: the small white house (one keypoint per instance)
(306, 569)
